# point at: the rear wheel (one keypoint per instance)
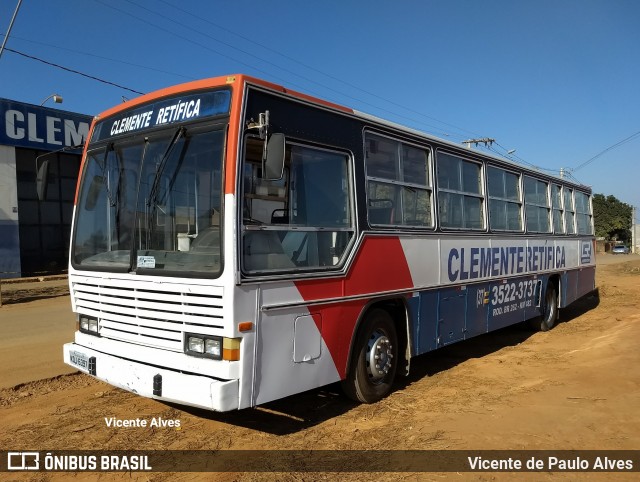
(550, 310)
(374, 360)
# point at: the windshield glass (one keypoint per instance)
(152, 204)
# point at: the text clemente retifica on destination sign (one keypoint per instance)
(114, 422)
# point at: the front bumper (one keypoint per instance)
(141, 379)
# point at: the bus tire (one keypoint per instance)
(550, 309)
(374, 359)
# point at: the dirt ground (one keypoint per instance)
(573, 388)
(35, 321)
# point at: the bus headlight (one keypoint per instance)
(195, 344)
(89, 325)
(204, 346)
(93, 325)
(213, 347)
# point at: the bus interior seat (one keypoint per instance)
(280, 216)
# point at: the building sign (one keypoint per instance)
(183, 108)
(42, 128)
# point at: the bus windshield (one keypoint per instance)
(152, 204)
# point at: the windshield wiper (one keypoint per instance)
(160, 166)
(108, 149)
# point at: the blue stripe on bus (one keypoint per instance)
(446, 315)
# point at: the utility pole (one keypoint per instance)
(6, 37)
(633, 229)
(487, 141)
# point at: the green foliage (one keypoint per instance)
(612, 218)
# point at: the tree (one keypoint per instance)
(612, 218)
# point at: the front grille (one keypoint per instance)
(149, 313)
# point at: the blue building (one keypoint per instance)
(34, 235)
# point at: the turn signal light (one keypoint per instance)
(245, 326)
(231, 349)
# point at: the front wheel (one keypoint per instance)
(374, 359)
(550, 310)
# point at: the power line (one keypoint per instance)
(554, 171)
(89, 54)
(13, 19)
(519, 159)
(573, 178)
(73, 71)
(190, 28)
(617, 144)
(437, 130)
(310, 67)
(194, 42)
(235, 59)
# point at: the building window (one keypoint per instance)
(399, 187)
(45, 226)
(460, 196)
(505, 201)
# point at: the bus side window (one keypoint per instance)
(380, 211)
(302, 221)
(399, 187)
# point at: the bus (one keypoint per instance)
(235, 242)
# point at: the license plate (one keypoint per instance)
(79, 359)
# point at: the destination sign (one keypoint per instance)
(164, 112)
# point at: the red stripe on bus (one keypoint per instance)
(379, 266)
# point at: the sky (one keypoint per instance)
(556, 80)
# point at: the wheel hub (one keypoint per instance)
(379, 356)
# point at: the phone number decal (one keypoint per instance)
(508, 297)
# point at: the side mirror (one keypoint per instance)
(42, 178)
(273, 157)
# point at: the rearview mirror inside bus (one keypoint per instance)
(273, 157)
(94, 192)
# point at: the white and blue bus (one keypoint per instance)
(235, 242)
